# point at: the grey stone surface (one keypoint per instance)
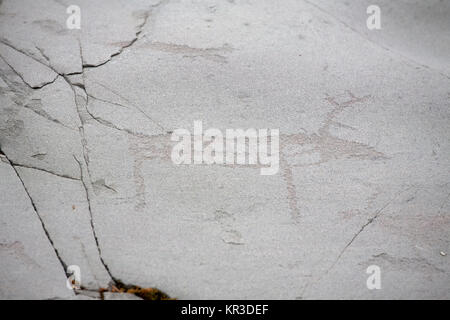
(417, 30)
(364, 120)
(29, 266)
(67, 217)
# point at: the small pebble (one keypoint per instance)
(443, 253)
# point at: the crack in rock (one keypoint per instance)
(94, 233)
(45, 170)
(364, 226)
(47, 234)
(51, 71)
(132, 104)
(21, 76)
(140, 28)
(36, 106)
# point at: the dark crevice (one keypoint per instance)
(6, 43)
(44, 170)
(24, 81)
(116, 284)
(132, 42)
(49, 238)
(82, 121)
(94, 233)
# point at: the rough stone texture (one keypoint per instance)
(364, 118)
(67, 217)
(29, 266)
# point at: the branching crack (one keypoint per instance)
(61, 261)
(41, 112)
(44, 170)
(6, 43)
(94, 233)
(23, 79)
(110, 124)
(132, 104)
(82, 161)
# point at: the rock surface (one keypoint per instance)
(86, 177)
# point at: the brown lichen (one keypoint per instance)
(143, 293)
